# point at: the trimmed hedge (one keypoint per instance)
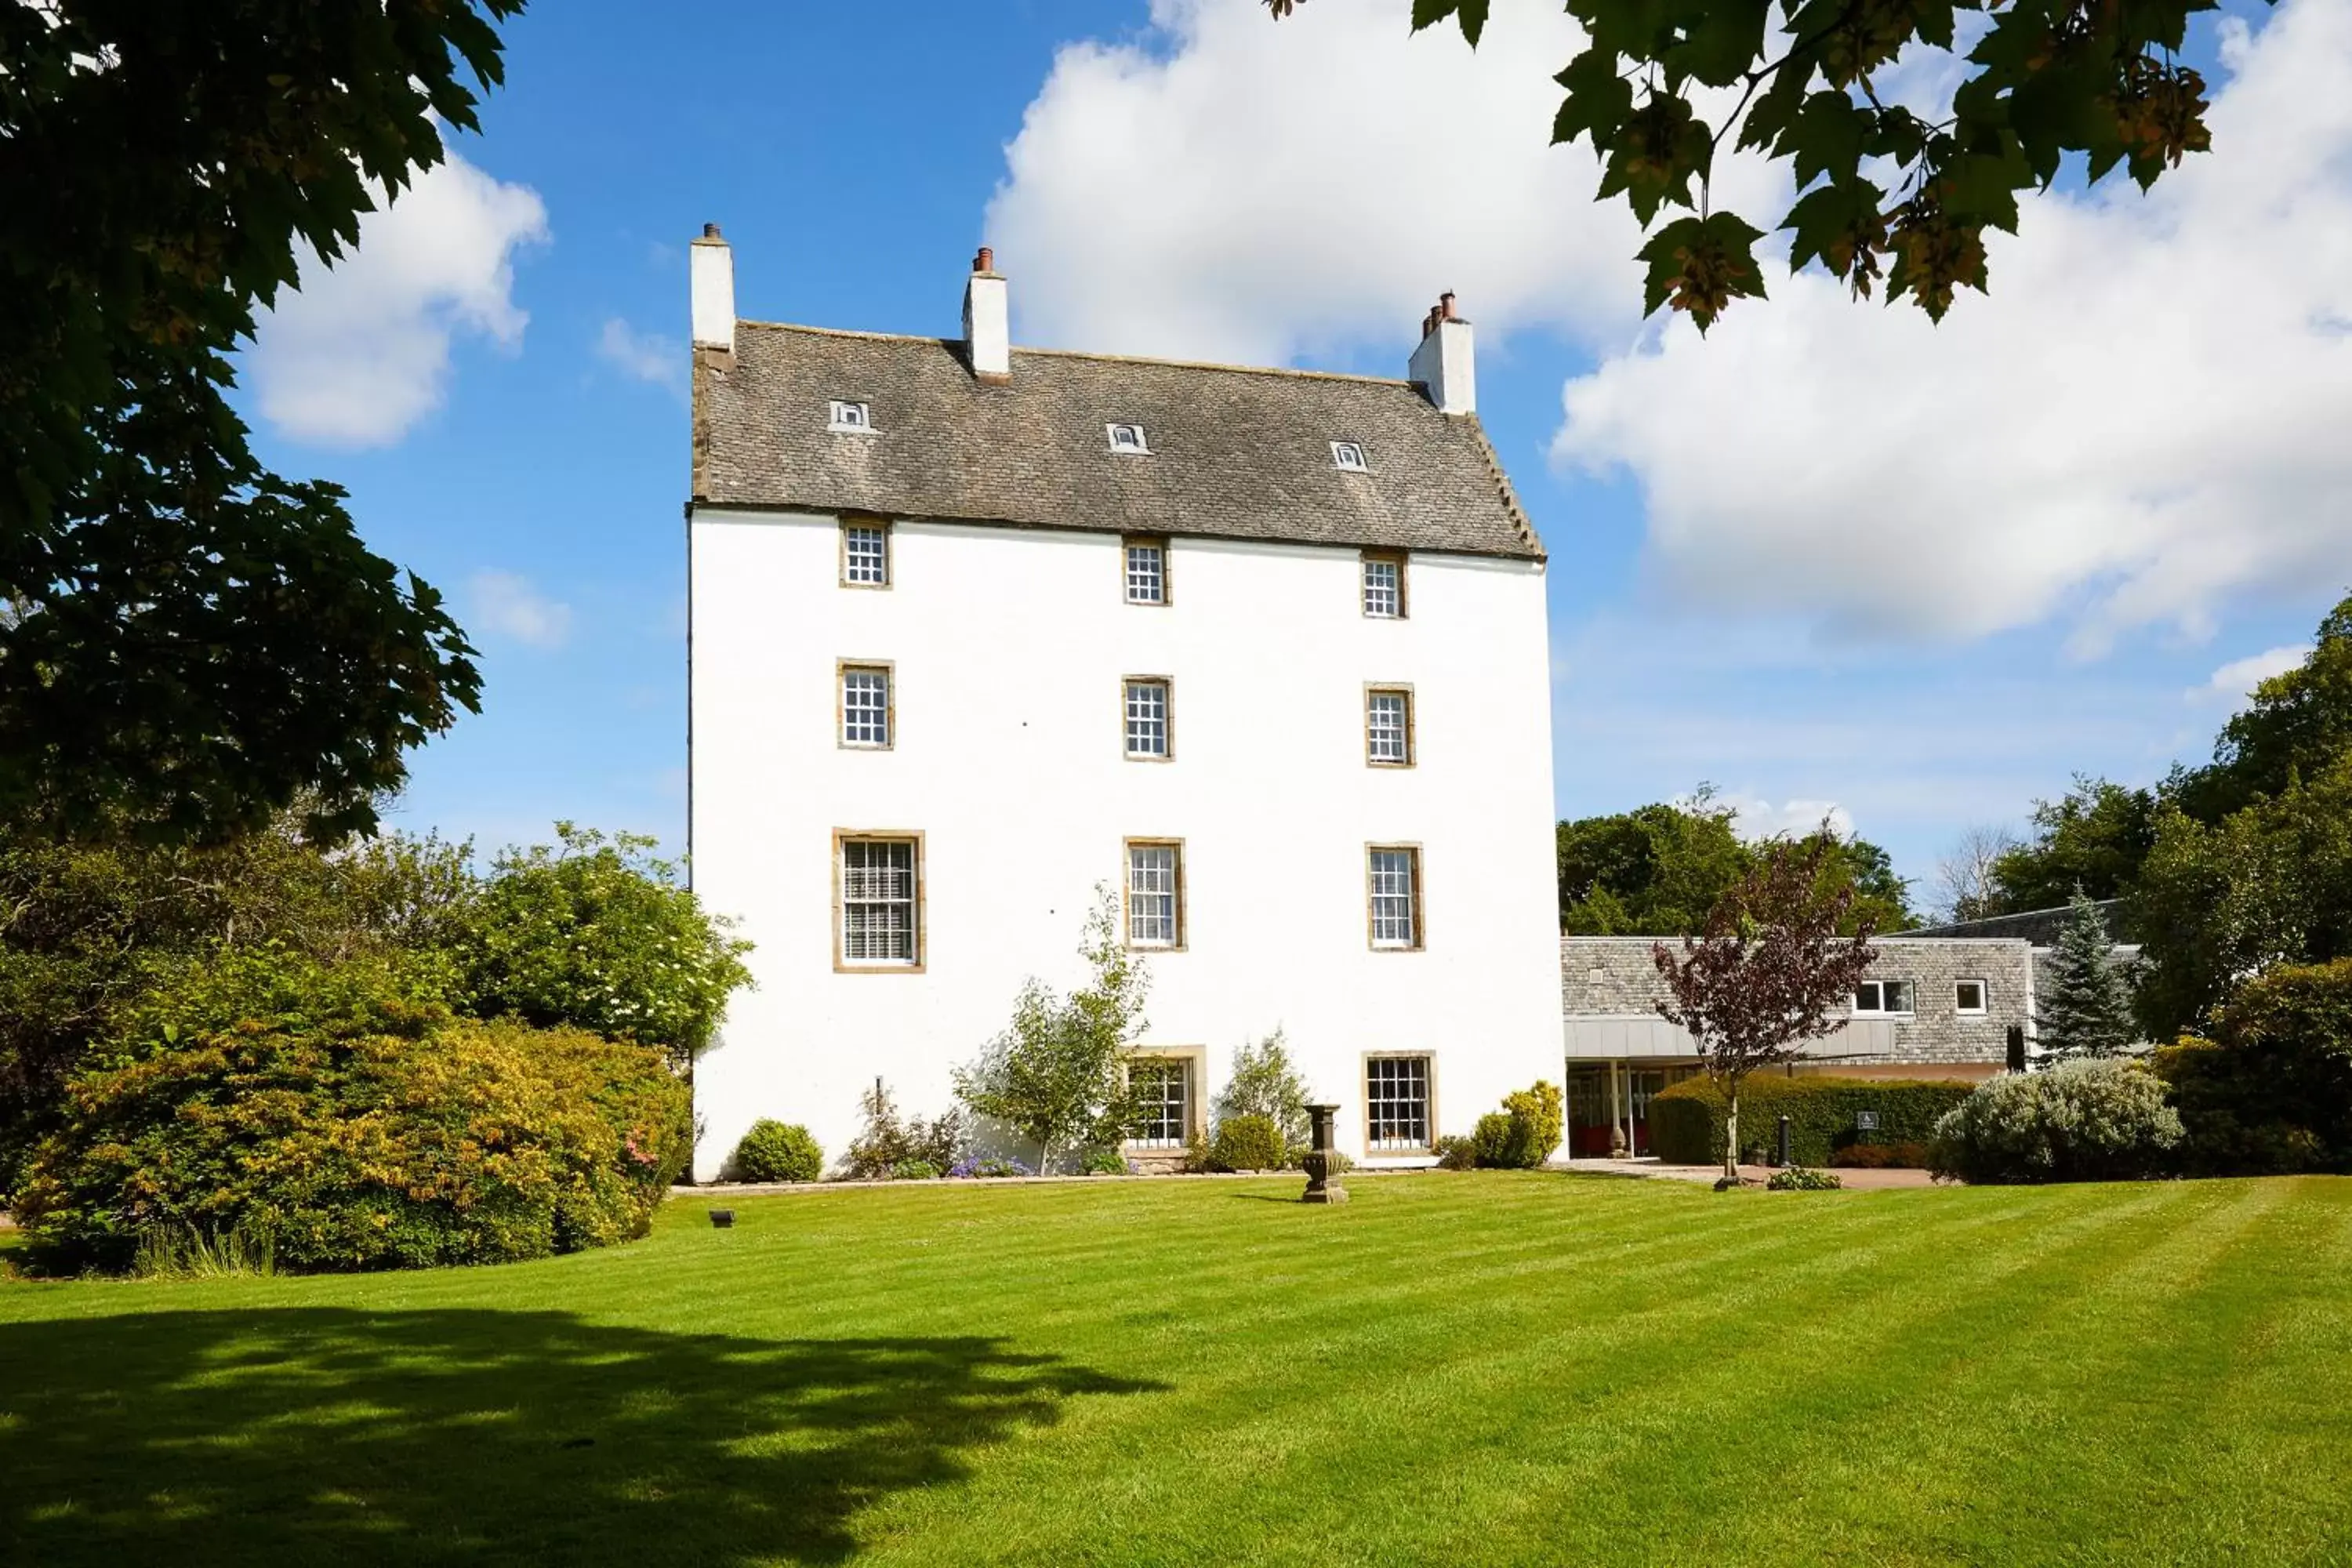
(1687, 1122)
(326, 1117)
(1247, 1143)
(778, 1152)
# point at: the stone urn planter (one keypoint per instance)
(1320, 1187)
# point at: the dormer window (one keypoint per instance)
(1350, 455)
(1126, 438)
(850, 416)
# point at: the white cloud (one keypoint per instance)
(1229, 187)
(2146, 415)
(642, 356)
(506, 605)
(362, 351)
(2235, 681)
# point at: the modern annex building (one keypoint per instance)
(977, 631)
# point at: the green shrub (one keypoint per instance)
(1799, 1179)
(1522, 1135)
(2271, 1092)
(2093, 1121)
(777, 1151)
(1103, 1162)
(1687, 1122)
(888, 1141)
(1264, 1081)
(1247, 1143)
(1456, 1153)
(915, 1171)
(265, 1101)
(1881, 1156)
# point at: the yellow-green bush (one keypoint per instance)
(1247, 1143)
(329, 1113)
(1522, 1135)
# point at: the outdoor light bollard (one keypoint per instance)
(1781, 1156)
(722, 1219)
(1320, 1187)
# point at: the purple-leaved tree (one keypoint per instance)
(1767, 973)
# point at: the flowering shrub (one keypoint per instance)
(974, 1165)
(2090, 1120)
(777, 1151)
(1799, 1179)
(599, 935)
(326, 1114)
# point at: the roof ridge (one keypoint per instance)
(1094, 354)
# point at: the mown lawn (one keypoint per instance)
(1453, 1369)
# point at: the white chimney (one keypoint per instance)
(987, 320)
(711, 283)
(1443, 364)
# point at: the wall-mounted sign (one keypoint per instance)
(1866, 1122)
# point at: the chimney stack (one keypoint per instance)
(1443, 364)
(710, 278)
(988, 320)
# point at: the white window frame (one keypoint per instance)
(1984, 998)
(1400, 1122)
(1382, 863)
(1153, 577)
(1155, 872)
(857, 893)
(850, 418)
(878, 559)
(1382, 602)
(1139, 447)
(1400, 755)
(1877, 1008)
(1137, 693)
(1171, 1115)
(1348, 457)
(866, 726)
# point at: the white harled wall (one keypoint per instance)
(1009, 646)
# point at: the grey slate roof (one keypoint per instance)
(1234, 453)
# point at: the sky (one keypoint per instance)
(1830, 558)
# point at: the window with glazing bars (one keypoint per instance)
(866, 554)
(1146, 719)
(1154, 898)
(1396, 897)
(1383, 586)
(878, 900)
(1388, 727)
(864, 705)
(1147, 573)
(1396, 1102)
(1164, 1090)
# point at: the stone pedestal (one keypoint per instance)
(1320, 1187)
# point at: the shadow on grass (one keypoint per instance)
(328, 1435)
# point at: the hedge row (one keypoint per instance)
(1687, 1122)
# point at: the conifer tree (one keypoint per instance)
(2087, 1008)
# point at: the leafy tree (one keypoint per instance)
(2087, 1009)
(188, 642)
(1264, 1082)
(2217, 904)
(1058, 1075)
(2271, 1092)
(597, 933)
(1769, 972)
(1883, 194)
(2092, 841)
(1658, 869)
(2298, 723)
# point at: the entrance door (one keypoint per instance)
(1641, 1084)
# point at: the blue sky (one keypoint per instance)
(1826, 558)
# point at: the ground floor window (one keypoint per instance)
(1396, 1103)
(1164, 1086)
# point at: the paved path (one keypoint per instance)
(1855, 1180)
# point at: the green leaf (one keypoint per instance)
(1838, 224)
(1827, 137)
(1597, 100)
(1471, 14)
(1654, 155)
(1701, 265)
(1720, 41)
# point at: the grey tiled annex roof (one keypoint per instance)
(1234, 453)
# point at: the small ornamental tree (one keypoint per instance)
(1265, 1082)
(2087, 1009)
(1058, 1075)
(1768, 971)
